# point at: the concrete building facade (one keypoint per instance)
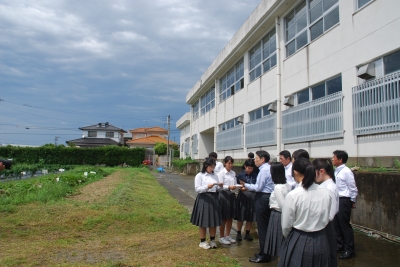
(314, 74)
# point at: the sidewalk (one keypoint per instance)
(370, 251)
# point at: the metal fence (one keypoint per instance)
(195, 144)
(314, 120)
(230, 139)
(261, 132)
(376, 106)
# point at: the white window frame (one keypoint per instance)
(229, 124)
(235, 77)
(357, 2)
(110, 134)
(195, 110)
(263, 60)
(263, 112)
(92, 133)
(308, 26)
(207, 101)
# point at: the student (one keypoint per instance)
(218, 165)
(274, 238)
(300, 153)
(245, 210)
(286, 159)
(304, 219)
(206, 211)
(251, 156)
(263, 187)
(347, 189)
(227, 201)
(324, 175)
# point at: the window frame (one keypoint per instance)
(262, 111)
(110, 134)
(310, 90)
(231, 76)
(195, 110)
(92, 133)
(229, 124)
(360, 7)
(260, 65)
(207, 101)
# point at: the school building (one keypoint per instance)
(314, 74)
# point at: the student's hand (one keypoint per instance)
(353, 205)
(243, 189)
(210, 186)
(232, 187)
(242, 182)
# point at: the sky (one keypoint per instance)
(66, 64)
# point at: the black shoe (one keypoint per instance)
(346, 255)
(256, 255)
(239, 236)
(248, 237)
(261, 259)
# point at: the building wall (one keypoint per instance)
(360, 37)
(102, 134)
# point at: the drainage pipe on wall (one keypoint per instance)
(278, 88)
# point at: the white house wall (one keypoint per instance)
(360, 37)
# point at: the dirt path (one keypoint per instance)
(99, 190)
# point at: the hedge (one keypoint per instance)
(108, 155)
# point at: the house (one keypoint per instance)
(101, 134)
(317, 75)
(148, 137)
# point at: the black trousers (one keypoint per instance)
(343, 229)
(262, 217)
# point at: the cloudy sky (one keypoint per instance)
(66, 64)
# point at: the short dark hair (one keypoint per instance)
(285, 154)
(249, 163)
(263, 154)
(213, 155)
(250, 155)
(341, 154)
(304, 167)
(278, 173)
(206, 163)
(300, 153)
(228, 158)
(326, 164)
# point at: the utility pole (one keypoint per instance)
(56, 140)
(168, 152)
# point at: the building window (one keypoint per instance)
(263, 55)
(109, 134)
(391, 63)
(361, 3)
(195, 110)
(259, 113)
(308, 21)
(232, 81)
(229, 124)
(207, 101)
(323, 89)
(92, 134)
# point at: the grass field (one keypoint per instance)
(124, 219)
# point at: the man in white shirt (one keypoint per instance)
(219, 166)
(347, 190)
(286, 159)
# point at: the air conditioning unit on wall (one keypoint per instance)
(367, 71)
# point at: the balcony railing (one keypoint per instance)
(261, 132)
(314, 120)
(376, 106)
(230, 139)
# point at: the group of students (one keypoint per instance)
(302, 208)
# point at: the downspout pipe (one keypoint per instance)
(278, 88)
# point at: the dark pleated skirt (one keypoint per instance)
(274, 238)
(245, 210)
(331, 235)
(302, 249)
(206, 211)
(227, 204)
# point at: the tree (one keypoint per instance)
(160, 148)
(175, 147)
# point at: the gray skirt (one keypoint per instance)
(274, 238)
(206, 211)
(245, 208)
(331, 235)
(227, 204)
(301, 249)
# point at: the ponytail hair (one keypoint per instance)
(326, 164)
(206, 163)
(304, 167)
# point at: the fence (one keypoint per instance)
(261, 132)
(314, 120)
(376, 106)
(230, 139)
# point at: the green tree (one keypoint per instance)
(175, 147)
(160, 148)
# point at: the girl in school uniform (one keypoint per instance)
(206, 211)
(325, 178)
(245, 208)
(304, 219)
(227, 201)
(274, 238)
